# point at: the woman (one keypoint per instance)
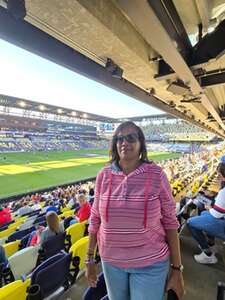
(84, 211)
(54, 226)
(133, 219)
(210, 224)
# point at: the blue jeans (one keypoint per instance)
(204, 224)
(146, 283)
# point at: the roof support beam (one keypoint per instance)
(168, 16)
(142, 15)
(26, 36)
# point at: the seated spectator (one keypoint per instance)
(35, 236)
(72, 202)
(210, 224)
(7, 213)
(84, 211)
(3, 217)
(51, 207)
(25, 209)
(54, 226)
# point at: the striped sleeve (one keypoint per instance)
(95, 216)
(168, 207)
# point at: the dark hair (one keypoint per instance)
(113, 154)
(221, 169)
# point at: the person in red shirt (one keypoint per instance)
(84, 211)
(3, 219)
(7, 214)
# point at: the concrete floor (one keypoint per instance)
(200, 280)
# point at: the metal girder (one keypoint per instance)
(204, 9)
(168, 16)
(211, 46)
(142, 15)
(27, 36)
(211, 79)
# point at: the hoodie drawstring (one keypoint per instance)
(108, 198)
(147, 186)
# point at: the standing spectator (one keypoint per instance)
(133, 216)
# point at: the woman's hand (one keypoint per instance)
(91, 274)
(175, 282)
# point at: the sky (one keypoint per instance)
(28, 76)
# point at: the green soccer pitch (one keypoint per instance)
(26, 172)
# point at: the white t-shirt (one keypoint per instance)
(218, 210)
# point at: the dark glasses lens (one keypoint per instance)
(130, 138)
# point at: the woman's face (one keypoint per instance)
(128, 144)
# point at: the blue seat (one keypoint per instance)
(51, 275)
(96, 293)
(40, 219)
(52, 246)
(18, 235)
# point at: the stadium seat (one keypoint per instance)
(24, 261)
(52, 246)
(96, 293)
(7, 232)
(18, 235)
(3, 240)
(45, 274)
(66, 214)
(80, 249)
(28, 223)
(11, 248)
(16, 290)
(75, 232)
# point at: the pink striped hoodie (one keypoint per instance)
(130, 214)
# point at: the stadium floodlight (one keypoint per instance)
(22, 104)
(41, 107)
(73, 113)
(59, 111)
(85, 116)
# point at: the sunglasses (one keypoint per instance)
(130, 138)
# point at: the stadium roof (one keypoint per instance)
(28, 105)
(141, 48)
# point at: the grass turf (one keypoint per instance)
(26, 172)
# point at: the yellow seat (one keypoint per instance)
(11, 248)
(21, 219)
(16, 224)
(64, 209)
(76, 231)
(80, 249)
(7, 232)
(66, 214)
(16, 290)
